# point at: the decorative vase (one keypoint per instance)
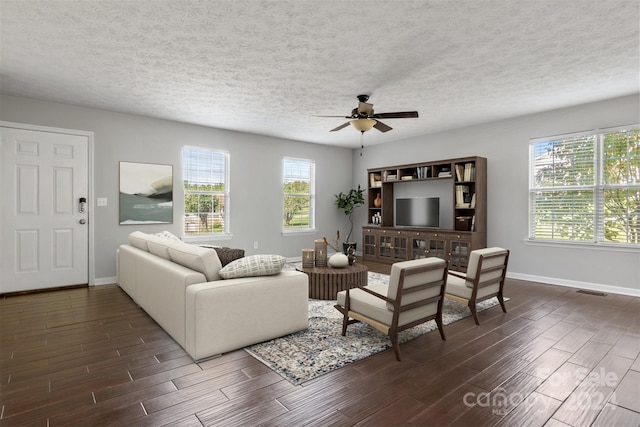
(377, 202)
(338, 260)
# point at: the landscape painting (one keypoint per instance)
(146, 193)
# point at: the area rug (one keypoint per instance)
(305, 355)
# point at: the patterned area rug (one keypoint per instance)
(308, 354)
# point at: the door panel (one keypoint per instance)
(43, 243)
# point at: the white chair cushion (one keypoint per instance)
(414, 280)
(253, 266)
(474, 258)
(458, 287)
(376, 308)
(196, 258)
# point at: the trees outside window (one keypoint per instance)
(206, 195)
(586, 187)
(298, 194)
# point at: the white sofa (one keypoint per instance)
(179, 286)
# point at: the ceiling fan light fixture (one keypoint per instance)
(363, 125)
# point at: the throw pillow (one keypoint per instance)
(168, 235)
(252, 266)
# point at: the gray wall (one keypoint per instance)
(256, 172)
(255, 175)
(505, 145)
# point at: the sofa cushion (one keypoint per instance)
(253, 265)
(138, 239)
(196, 258)
(159, 246)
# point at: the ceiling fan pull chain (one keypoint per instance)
(361, 142)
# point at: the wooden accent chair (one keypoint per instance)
(484, 279)
(415, 295)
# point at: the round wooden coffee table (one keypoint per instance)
(326, 282)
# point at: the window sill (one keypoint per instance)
(305, 232)
(584, 245)
(205, 238)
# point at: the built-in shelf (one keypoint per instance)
(384, 242)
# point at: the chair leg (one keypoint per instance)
(501, 299)
(440, 328)
(472, 307)
(345, 322)
(396, 346)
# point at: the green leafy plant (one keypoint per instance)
(348, 202)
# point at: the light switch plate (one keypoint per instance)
(101, 201)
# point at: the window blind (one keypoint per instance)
(586, 187)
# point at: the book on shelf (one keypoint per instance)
(374, 178)
(463, 199)
(473, 201)
(469, 173)
(444, 174)
(422, 172)
(459, 172)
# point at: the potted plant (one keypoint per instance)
(348, 202)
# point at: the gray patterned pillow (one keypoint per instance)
(252, 266)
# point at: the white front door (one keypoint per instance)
(44, 235)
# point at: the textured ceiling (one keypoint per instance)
(268, 67)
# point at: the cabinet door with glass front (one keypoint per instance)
(399, 247)
(459, 254)
(369, 244)
(385, 246)
(417, 245)
(436, 246)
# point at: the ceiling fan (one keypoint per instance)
(363, 118)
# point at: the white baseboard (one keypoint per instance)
(576, 284)
(526, 277)
(104, 281)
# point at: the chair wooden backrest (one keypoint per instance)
(415, 295)
(487, 267)
(413, 286)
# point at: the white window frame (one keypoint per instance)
(312, 197)
(226, 233)
(598, 187)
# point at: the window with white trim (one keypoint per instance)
(206, 191)
(586, 187)
(298, 177)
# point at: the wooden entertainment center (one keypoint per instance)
(383, 241)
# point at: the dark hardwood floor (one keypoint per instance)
(91, 357)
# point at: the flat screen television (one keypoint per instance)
(422, 212)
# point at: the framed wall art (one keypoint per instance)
(146, 193)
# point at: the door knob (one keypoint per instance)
(83, 221)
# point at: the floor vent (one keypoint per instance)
(596, 293)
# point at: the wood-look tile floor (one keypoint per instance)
(91, 357)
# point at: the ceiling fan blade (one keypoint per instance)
(343, 117)
(340, 127)
(398, 115)
(382, 127)
(365, 108)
